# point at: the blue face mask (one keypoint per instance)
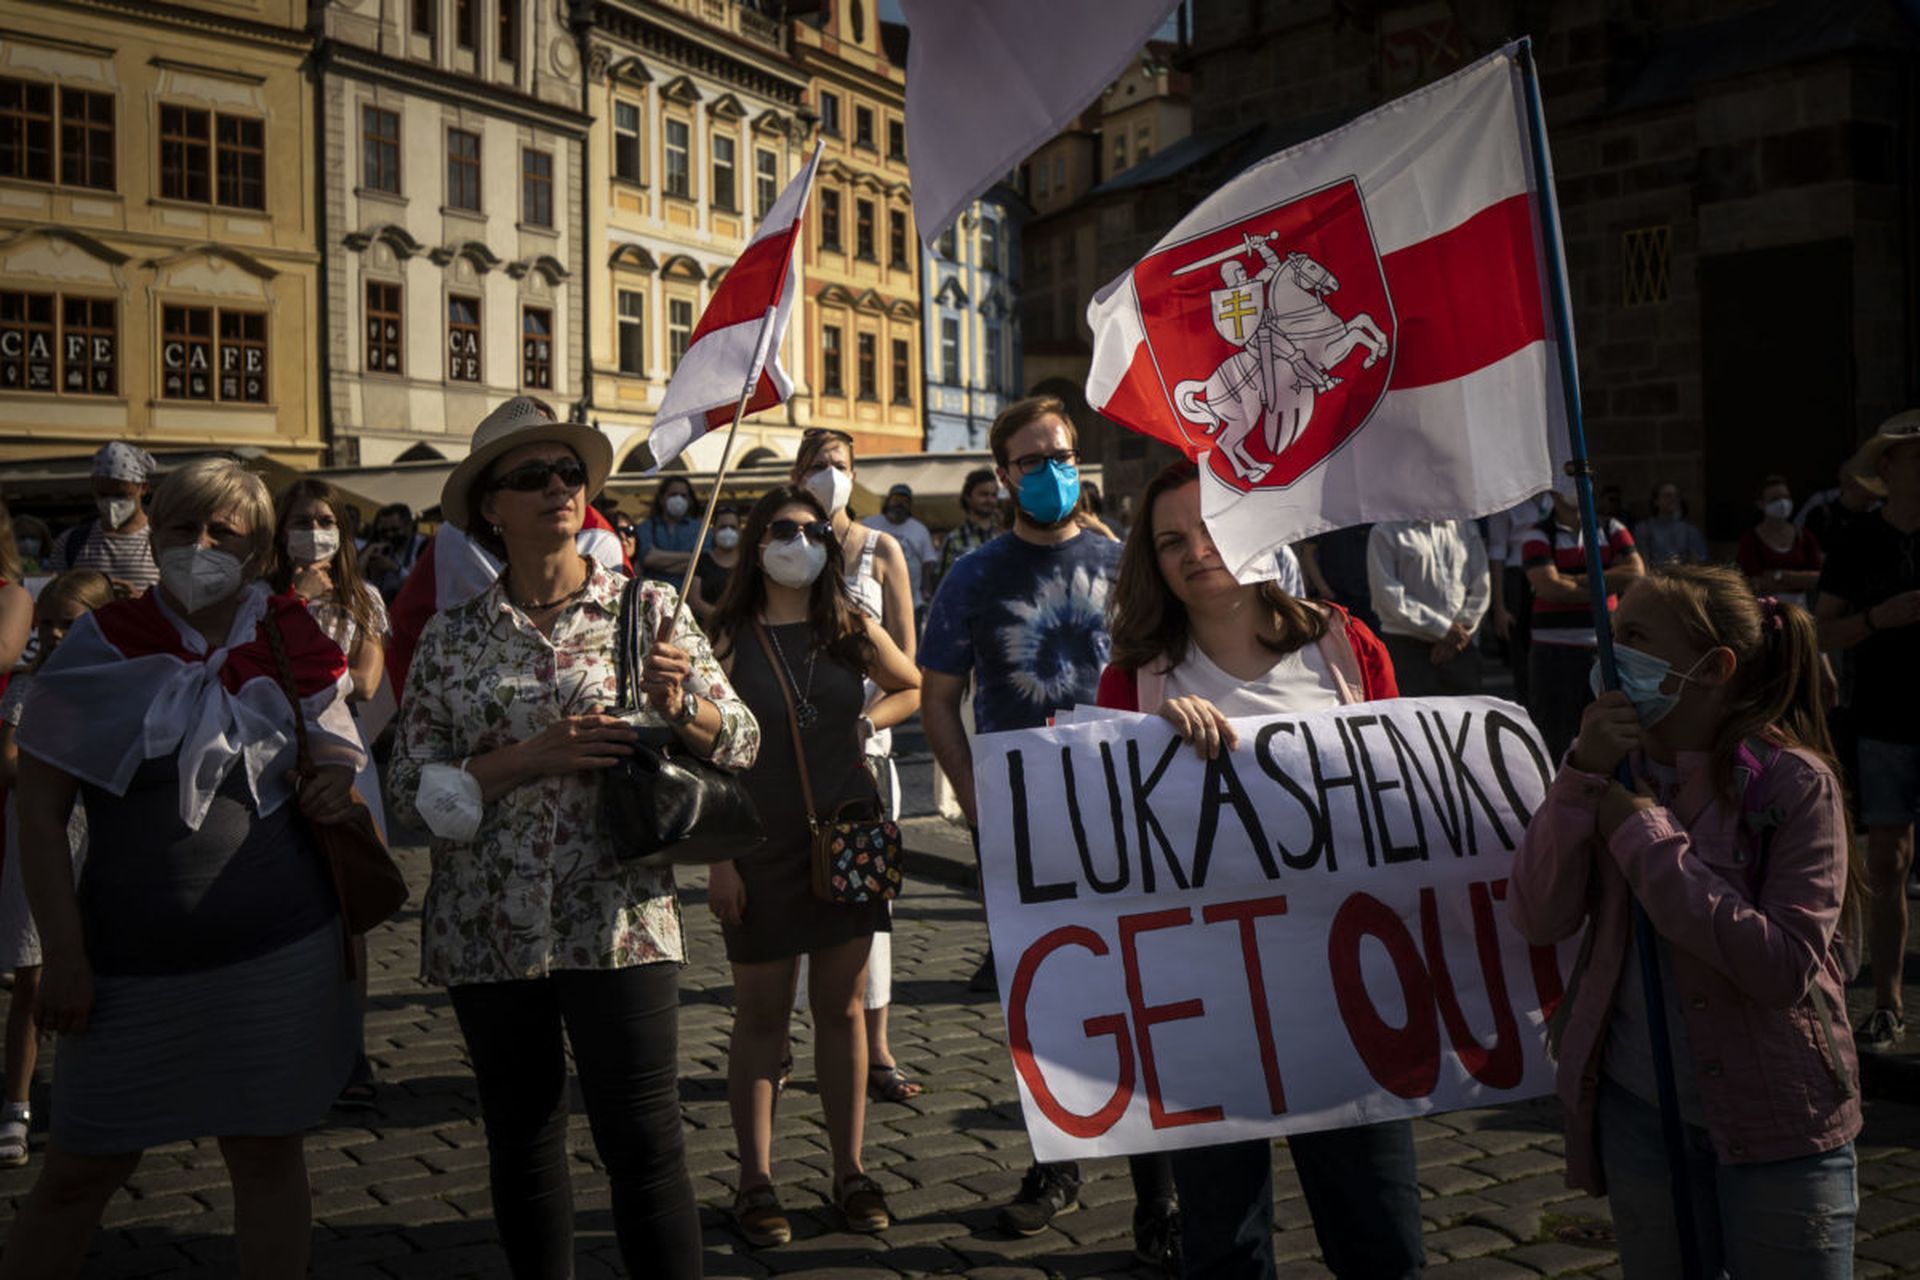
(1641, 675)
(1050, 492)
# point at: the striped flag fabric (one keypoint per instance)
(1356, 328)
(737, 340)
(990, 81)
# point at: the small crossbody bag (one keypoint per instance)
(856, 857)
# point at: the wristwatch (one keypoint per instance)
(689, 708)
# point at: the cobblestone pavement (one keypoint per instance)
(401, 1192)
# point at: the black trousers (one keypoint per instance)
(623, 1025)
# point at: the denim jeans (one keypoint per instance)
(1359, 1186)
(1781, 1220)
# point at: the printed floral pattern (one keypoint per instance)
(539, 887)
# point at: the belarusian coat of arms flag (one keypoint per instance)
(1354, 329)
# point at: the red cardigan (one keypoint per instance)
(1120, 686)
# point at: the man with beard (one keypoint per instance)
(1024, 617)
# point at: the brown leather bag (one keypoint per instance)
(366, 880)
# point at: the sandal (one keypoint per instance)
(863, 1205)
(887, 1080)
(757, 1212)
(359, 1096)
(14, 1122)
(360, 1091)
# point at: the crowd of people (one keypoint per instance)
(164, 907)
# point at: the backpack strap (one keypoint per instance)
(1751, 760)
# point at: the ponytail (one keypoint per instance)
(1775, 694)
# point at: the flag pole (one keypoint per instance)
(726, 457)
(1581, 469)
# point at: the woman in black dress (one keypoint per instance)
(790, 582)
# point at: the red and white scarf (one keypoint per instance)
(132, 682)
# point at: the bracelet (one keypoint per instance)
(689, 708)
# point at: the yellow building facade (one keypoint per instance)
(698, 126)
(862, 314)
(158, 260)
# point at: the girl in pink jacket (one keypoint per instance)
(1736, 842)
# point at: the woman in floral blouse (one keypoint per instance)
(530, 920)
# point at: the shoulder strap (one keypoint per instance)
(793, 722)
(271, 626)
(74, 540)
(625, 644)
(1752, 758)
(866, 552)
(1150, 686)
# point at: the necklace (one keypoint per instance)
(541, 606)
(805, 714)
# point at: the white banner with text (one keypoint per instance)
(1308, 932)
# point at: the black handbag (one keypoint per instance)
(664, 805)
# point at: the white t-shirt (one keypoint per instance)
(1300, 681)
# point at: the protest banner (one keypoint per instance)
(1305, 933)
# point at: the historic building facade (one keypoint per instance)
(1735, 184)
(453, 209)
(159, 264)
(700, 121)
(862, 298)
(972, 321)
(1080, 182)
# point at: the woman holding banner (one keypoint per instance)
(1735, 841)
(1200, 648)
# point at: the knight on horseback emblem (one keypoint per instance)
(1290, 344)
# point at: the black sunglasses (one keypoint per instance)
(531, 477)
(787, 530)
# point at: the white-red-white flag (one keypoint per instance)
(1355, 329)
(989, 81)
(737, 341)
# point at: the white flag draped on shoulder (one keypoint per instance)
(989, 81)
(1355, 329)
(737, 341)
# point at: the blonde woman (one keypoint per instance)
(195, 982)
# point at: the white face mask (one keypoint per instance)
(726, 539)
(795, 563)
(198, 577)
(312, 546)
(677, 506)
(115, 512)
(833, 487)
(1779, 508)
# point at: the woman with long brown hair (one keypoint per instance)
(1735, 839)
(787, 630)
(1199, 648)
(881, 586)
(314, 557)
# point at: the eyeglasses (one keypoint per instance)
(787, 530)
(531, 477)
(833, 432)
(1034, 461)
